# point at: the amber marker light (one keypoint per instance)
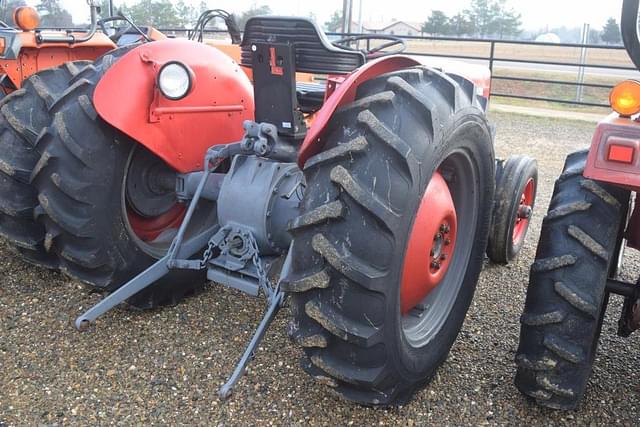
(26, 18)
(625, 98)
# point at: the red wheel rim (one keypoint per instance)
(148, 229)
(431, 244)
(523, 215)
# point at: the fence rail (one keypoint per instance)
(494, 61)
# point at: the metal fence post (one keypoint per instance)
(492, 56)
(583, 59)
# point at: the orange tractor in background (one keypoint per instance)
(38, 67)
(25, 49)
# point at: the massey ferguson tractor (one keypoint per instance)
(590, 220)
(367, 202)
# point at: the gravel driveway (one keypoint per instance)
(165, 366)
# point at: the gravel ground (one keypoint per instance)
(165, 366)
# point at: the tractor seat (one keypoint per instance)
(310, 96)
(314, 53)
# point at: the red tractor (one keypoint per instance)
(368, 200)
(590, 220)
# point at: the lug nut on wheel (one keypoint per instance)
(524, 212)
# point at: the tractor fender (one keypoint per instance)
(343, 93)
(179, 132)
(23, 56)
(479, 75)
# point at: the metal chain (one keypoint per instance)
(263, 279)
(208, 254)
(214, 243)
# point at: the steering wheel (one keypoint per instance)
(121, 31)
(398, 44)
(117, 31)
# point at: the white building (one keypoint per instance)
(548, 38)
(395, 28)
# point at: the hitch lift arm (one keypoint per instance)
(178, 258)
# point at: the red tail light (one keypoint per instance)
(620, 153)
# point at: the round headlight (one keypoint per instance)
(174, 80)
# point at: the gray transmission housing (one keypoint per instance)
(261, 195)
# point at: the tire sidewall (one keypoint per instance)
(526, 170)
(116, 217)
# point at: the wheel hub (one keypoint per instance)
(433, 234)
(440, 249)
(150, 185)
(151, 203)
(524, 213)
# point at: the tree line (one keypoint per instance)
(178, 14)
(494, 18)
(158, 13)
(483, 18)
(52, 13)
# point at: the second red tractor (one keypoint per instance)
(591, 219)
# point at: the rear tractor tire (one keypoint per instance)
(23, 115)
(380, 284)
(516, 187)
(566, 297)
(104, 217)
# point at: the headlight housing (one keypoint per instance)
(175, 80)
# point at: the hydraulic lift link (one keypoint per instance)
(177, 257)
(162, 266)
(141, 281)
(276, 302)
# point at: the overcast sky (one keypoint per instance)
(536, 14)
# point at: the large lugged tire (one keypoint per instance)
(23, 115)
(81, 178)
(351, 243)
(566, 298)
(516, 187)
